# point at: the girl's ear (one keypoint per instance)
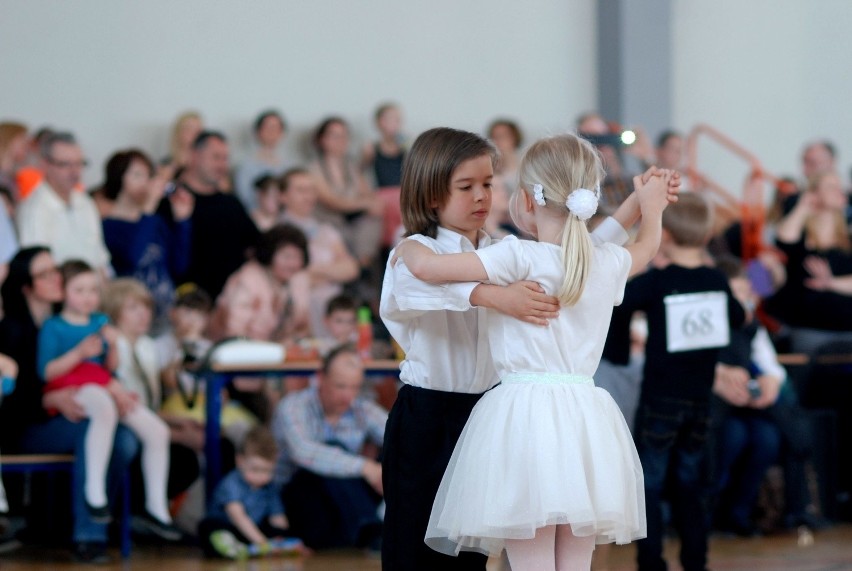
(528, 203)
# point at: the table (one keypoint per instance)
(220, 375)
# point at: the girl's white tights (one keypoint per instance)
(554, 548)
(147, 426)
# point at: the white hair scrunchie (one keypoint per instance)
(583, 203)
(538, 194)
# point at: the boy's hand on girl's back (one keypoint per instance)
(527, 301)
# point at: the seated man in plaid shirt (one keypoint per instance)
(331, 487)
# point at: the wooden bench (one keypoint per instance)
(46, 463)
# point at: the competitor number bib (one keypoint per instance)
(696, 321)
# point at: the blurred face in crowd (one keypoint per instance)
(210, 162)
(335, 140)
(63, 168)
(670, 155)
(300, 198)
(270, 132)
(135, 316)
(136, 182)
(340, 385)
(287, 261)
(188, 322)
(189, 129)
(47, 281)
(342, 325)
(269, 199)
(829, 192)
(255, 470)
(18, 149)
(816, 159)
(83, 294)
(503, 138)
(390, 122)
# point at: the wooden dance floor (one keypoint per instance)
(831, 551)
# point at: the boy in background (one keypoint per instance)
(245, 516)
(690, 311)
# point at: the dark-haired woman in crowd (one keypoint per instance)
(345, 198)
(266, 158)
(31, 289)
(142, 245)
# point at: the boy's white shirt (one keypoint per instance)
(449, 335)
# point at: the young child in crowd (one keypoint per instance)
(501, 488)
(341, 323)
(245, 516)
(446, 197)
(690, 312)
(181, 350)
(79, 348)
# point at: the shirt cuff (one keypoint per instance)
(610, 231)
(459, 293)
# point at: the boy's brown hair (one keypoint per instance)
(689, 220)
(259, 442)
(73, 268)
(426, 172)
(118, 291)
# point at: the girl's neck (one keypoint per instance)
(268, 155)
(389, 144)
(549, 227)
(75, 317)
(126, 208)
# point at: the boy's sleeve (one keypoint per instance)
(505, 262)
(610, 231)
(736, 313)
(275, 505)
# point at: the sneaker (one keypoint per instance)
(149, 525)
(91, 552)
(99, 514)
(227, 545)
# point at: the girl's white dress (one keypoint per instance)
(545, 446)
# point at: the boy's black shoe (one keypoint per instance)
(98, 514)
(150, 525)
(91, 552)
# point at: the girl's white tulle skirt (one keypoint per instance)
(535, 454)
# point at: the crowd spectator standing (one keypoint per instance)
(332, 484)
(57, 215)
(222, 232)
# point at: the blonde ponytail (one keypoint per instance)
(576, 259)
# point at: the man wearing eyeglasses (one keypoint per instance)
(59, 216)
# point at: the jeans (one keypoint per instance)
(671, 438)
(61, 436)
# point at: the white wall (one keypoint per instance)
(117, 73)
(772, 74)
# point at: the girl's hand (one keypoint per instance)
(183, 203)
(653, 194)
(411, 251)
(91, 346)
(674, 181)
(63, 401)
(821, 274)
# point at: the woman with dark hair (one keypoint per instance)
(268, 298)
(50, 423)
(266, 157)
(141, 244)
(346, 200)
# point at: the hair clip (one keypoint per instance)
(538, 194)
